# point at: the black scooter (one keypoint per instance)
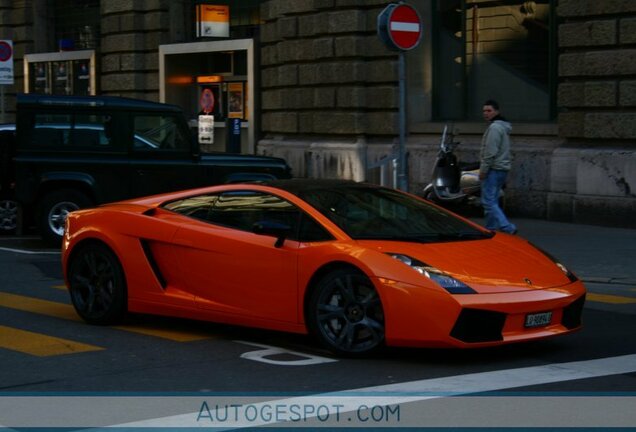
(453, 183)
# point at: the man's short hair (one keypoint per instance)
(493, 103)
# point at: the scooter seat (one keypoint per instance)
(468, 166)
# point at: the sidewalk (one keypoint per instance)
(594, 253)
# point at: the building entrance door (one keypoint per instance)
(212, 78)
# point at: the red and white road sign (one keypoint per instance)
(400, 27)
(206, 101)
(6, 62)
(404, 27)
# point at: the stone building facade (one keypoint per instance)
(330, 106)
(327, 94)
(594, 170)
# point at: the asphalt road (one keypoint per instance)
(56, 353)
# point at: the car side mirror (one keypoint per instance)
(271, 228)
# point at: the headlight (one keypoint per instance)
(571, 276)
(449, 283)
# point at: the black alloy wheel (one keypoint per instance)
(97, 284)
(345, 313)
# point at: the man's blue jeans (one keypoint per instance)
(495, 217)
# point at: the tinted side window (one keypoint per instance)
(242, 209)
(93, 131)
(68, 131)
(50, 131)
(198, 207)
(312, 231)
(159, 133)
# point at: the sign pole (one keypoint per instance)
(2, 103)
(403, 183)
(399, 27)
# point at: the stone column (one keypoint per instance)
(594, 178)
(328, 85)
(131, 32)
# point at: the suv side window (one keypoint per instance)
(159, 133)
(69, 131)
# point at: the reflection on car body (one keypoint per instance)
(356, 265)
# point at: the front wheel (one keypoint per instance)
(345, 313)
(97, 284)
(53, 210)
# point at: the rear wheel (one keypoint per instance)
(8, 215)
(345, 313)
(97, 284)
(53, 210)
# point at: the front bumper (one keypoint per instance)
(418, 316)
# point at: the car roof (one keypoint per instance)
(110, 102)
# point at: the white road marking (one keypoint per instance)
(338, 403)
(268, 351)
(29, 252)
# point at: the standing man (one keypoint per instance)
(495, 164)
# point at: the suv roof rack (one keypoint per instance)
(113, 102)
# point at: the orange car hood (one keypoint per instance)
(500, 264)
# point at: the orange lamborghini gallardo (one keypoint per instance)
(358, 266)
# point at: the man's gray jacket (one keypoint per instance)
(495, 147)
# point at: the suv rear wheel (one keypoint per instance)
(53, 210)
(8, 215)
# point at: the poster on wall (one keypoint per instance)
(61, 82)
(213, 20)
(40, 77)
(81, 78)
(235, 103)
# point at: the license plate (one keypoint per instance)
(538, 319)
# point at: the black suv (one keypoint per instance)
(8, 204)
(75, 152)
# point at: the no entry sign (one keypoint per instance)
(206, 101)
(6, 62)
(400, 27)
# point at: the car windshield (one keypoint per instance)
(372, 213)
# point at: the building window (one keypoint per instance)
(503, 50)
(77, 24)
